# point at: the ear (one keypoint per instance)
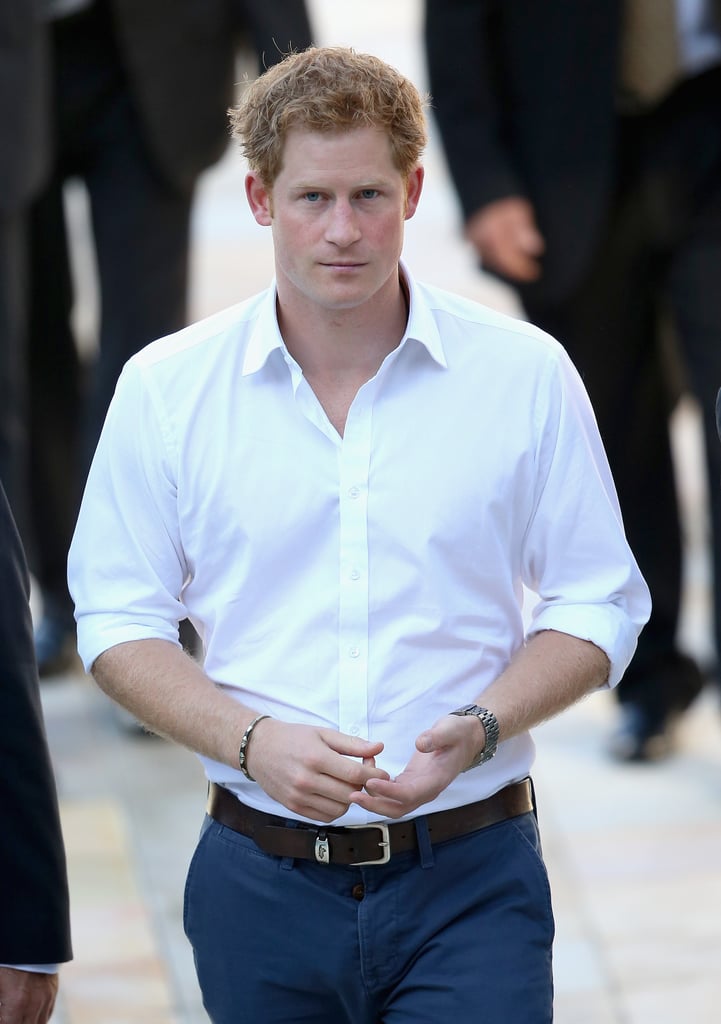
(413, 191)
(259, 199)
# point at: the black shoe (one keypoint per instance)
(55, 647)
(653, 695)
(641, 736)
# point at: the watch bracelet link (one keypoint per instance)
(490, 725)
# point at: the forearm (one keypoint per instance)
(309, 770)
(167, 691)
(550, 673)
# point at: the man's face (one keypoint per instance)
(337, 211)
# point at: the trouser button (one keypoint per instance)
(358, 891)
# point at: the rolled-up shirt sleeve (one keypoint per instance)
(576, 558)
(128, 518)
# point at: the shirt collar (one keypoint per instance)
(266, 337)
(422, 326)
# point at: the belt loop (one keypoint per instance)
(287, 863)
(425, 849)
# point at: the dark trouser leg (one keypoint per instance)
(56, 393)
(610, 328)
(660, 259)
(696, 297)
(13, 377)
(141, 228)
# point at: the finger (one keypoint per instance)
(358, 774)
(373, 771)
(443, 736)
(519, 260)
(322, 807)
(425, 743)
(523, 269)
(395, 791)
(353, 746)
(511, 259)
(531, 241)
(383, 807)
(331, 796)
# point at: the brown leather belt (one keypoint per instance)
(362, 844)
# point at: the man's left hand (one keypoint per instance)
(442, 752)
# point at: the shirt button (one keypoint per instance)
(358, 891)
(353, 492)
(354, 574)
(354, 652)
(354, 730)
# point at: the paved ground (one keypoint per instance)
(634, 853)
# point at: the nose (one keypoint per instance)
(342, 228)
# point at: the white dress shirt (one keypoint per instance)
(372, 582)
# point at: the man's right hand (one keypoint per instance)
(311, 771)
(506, 237)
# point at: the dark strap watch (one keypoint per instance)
(490, 724)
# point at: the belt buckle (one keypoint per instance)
(384, 843)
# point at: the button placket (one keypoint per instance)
(354, 460)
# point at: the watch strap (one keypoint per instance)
(490, 725)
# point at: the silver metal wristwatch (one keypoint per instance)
(490, 724)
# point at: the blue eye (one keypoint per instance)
(369, 193)
(312, 197)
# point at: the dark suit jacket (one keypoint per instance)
(523, 94)
(179, 56)
(275, 28)
(180, 60)
(525, 98)
(24, 158)
(34, 915)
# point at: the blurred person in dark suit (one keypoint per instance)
(584, 142)
(23, 165)
(270, 30)
(140, 93)
(34, 921)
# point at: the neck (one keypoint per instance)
(339, 350)
(347, 344)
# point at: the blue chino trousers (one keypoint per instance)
(460, 932)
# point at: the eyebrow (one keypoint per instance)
(357, 187)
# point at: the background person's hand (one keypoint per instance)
(507, 240)
(26, 997)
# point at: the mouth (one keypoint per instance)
(342, 264)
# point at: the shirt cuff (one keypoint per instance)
(33, 968)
